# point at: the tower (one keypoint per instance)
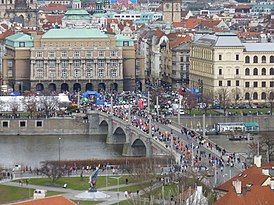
(172, 11)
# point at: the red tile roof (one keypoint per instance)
(210, 23)
(52, 200)
(5, 26)
(178, 41)
(192, 23)
(6, 34)
(54, 7)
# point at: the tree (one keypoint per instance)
(30, 103)
(52, 170)
(270, 98)
(48, 104)
(224, 98)
(190, 101)
(208, 99)
(14, 104)
(236, 96)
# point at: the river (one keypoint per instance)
(31, 150)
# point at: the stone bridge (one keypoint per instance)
(135, 142)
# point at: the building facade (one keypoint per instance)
(171, 11)
(222, 62)
(78, 60)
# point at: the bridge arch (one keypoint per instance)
(119, 135)
(103, 126)
(138, 148)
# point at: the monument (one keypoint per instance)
(92, 192)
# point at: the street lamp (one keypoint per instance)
(59, 141)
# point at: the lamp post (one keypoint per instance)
(59, 141)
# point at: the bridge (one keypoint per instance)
(135, 142)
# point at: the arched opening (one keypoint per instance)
(263, 96)
(89, 87)
(247, 71)
(247, 59)
(101, 87)
(255, 71)
(138, 148)
(39, 87)
(52, 87)
(114, 87)
(77, 87)
(119, 136)
(103, 127)
(247, 96)
(255, 59)
(255, 96)
(64, 87)
(263, 59)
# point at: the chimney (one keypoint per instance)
(272, 184)
(238, 186)
(258, 160)
(248, 187)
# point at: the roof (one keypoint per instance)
(259, 47)
(251, 124)
(20, 37)
(5, 34)
(76, 12)
(52, 200)
(74, 33)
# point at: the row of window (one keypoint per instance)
(22, 123)
(237, 57)
(52, 54)
(255, 96)
(75, 44)
(247, 84)
(77, 73)
(256, 59)
(76, 63)
(255, 71)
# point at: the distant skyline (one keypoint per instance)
(123, 2)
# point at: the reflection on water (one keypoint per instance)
(31, 150)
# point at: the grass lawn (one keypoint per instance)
(76, 183)
(130, 188)
(87, 202)
(200, 112)
(11, 194)
(250, 110)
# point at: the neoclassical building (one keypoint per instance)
(73, 60)
(221, 60)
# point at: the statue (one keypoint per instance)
(92, 180)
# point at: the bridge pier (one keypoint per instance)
(110, 139)
(149, 152)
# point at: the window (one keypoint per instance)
(247, 96)
(39, 64)
(263, 96)
(64, 64)
(113, 73)
(39, 74)
(229, 83)
(125, 43)
(263, 84)
(263, 71)
(220, 71)
(237, 83)
(39, 123)
(64, 73)
(255, 71)
(237, 71)
(89, 64)
(88, 54)
(271, 59)
(255, 96)
(220, 83)
(247, 84)
(50, 44)
(220, 57)
(21, 44)
(247, 59)
(101, 63)
(64, 54)
(101, 53)
(182, 58)
(89, 73)
(247, 71)
(52, 64)
(76, 54)
(255, 84)
(51, 54)
(77, 73)
(263, 59)
(52, 74)
(22, 124)
(237, 57)
(5, 123)
(39, 54)
(101, 73)
(271, 71)
(76, 64)
(255, 59)
(113, 53)
(113, 63)
(271, 84)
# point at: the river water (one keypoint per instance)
(31, 150)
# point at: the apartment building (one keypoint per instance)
(221, 61)
(73, 60)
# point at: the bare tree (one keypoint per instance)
(208, 99)
(30, 103)
(224, 98)
(52, 170)
(190, 101)
(270, 98)
(14, 104)
(48, 104)
(236, 96)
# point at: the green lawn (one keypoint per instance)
(10, 193)
(200, 112)
(252, 110)
(76, 183)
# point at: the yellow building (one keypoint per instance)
(221, 62)
(75, 59)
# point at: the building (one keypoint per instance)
(72, 60)
(53, 200)
(171, 11)
(253, 186)
(221, 62)
(20, 11)
(76, 18)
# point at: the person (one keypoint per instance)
(126, 180)
(126, 194)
